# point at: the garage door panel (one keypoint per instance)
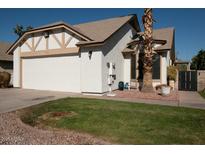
(52, 73)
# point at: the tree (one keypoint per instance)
(148, 53)
(20, 30)
(198, 61)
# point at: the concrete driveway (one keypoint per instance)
(13, 98)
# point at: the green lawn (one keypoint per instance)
(202, 93)
(123, 122)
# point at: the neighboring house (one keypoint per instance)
(182, 65)
(78, 58)
(6, 60)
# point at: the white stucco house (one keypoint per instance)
(82, 58)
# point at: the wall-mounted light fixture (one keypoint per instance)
(90, 54)
(46, 34)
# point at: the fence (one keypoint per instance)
(200, 79)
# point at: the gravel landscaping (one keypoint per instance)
(134, 94)
(13, 131)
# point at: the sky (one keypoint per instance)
(189, 24)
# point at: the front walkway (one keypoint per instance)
(191, 99)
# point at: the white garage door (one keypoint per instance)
(52, 73)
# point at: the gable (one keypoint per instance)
(57, 33)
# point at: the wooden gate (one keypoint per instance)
(187, 80)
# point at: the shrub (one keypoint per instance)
(171, 73)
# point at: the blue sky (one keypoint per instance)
(189, 24)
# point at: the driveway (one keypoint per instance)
(13, 98)
(191, 99)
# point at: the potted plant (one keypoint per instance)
(171, 75)
(165, 90)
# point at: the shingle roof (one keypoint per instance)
(4, 46)
(95, 32)
(163, 34)
(60, 23)
(100, 30)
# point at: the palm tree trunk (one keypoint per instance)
(148, 53)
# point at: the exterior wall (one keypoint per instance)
(200, 80)
(52, 73)
(16, 67)
(163, 68)
(127, 69)
(169, 61)
(112, 52)
(91, 70)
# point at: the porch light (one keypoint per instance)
(46, 34)
(90, 54)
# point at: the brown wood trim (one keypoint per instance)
(63, 38)
(56, 27)
(33, 42)
(38, 42)
(57, 40)
(47, 43)
(28, 46)
(68, 41)
(51, 52)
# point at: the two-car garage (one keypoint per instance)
(61, 73)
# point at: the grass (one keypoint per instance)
(123, 122)
(202, 93)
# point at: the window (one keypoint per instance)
(133, 67)
(156, 67)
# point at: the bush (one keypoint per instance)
(171, 73)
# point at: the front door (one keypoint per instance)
(133, 66)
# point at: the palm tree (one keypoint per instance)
(148, 53)
(20, 30)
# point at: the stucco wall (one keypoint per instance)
(200, 80)
(163, 68)
(16, 67)
(112, 52)
(91, 70)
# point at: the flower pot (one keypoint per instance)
(171, 83)
(166, 90)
